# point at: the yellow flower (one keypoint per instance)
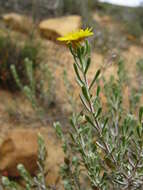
(76, 37)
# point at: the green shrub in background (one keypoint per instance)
(139, 13)
(82, 8)
(28, 90)
(20, 70)
(41, 98)
(73, 6)
(130, 17)
(13, 54)
(134, 28)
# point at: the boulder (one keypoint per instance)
(55, 27)
(18, 22)
(19, 145)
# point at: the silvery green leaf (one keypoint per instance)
(94, 79)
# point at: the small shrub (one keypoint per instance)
(39, 96)
(129, 17)
(140, 66)
(80, 7)
(134, 28)
(13, 54)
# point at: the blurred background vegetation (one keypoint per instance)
(55, 8)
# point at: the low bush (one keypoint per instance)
(82, 8)
(20, 71)
(130, 17)
(39, 94)
(13, 54)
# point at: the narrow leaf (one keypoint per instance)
(57, 126)
(77, 73)
(105, 123)
(94, 79)
(87, 48)
(89, 120)
(87, 65)
(140, 114)
(84, 102)
(71, 50)
(98, 112)
(85, 93)
(82, 50)
(98, 91)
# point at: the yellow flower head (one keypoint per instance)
(76, 37)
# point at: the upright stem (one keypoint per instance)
(96, 124)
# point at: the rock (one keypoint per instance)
(18, 22)
(131, 37)
(55, 27)
(20, 146)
